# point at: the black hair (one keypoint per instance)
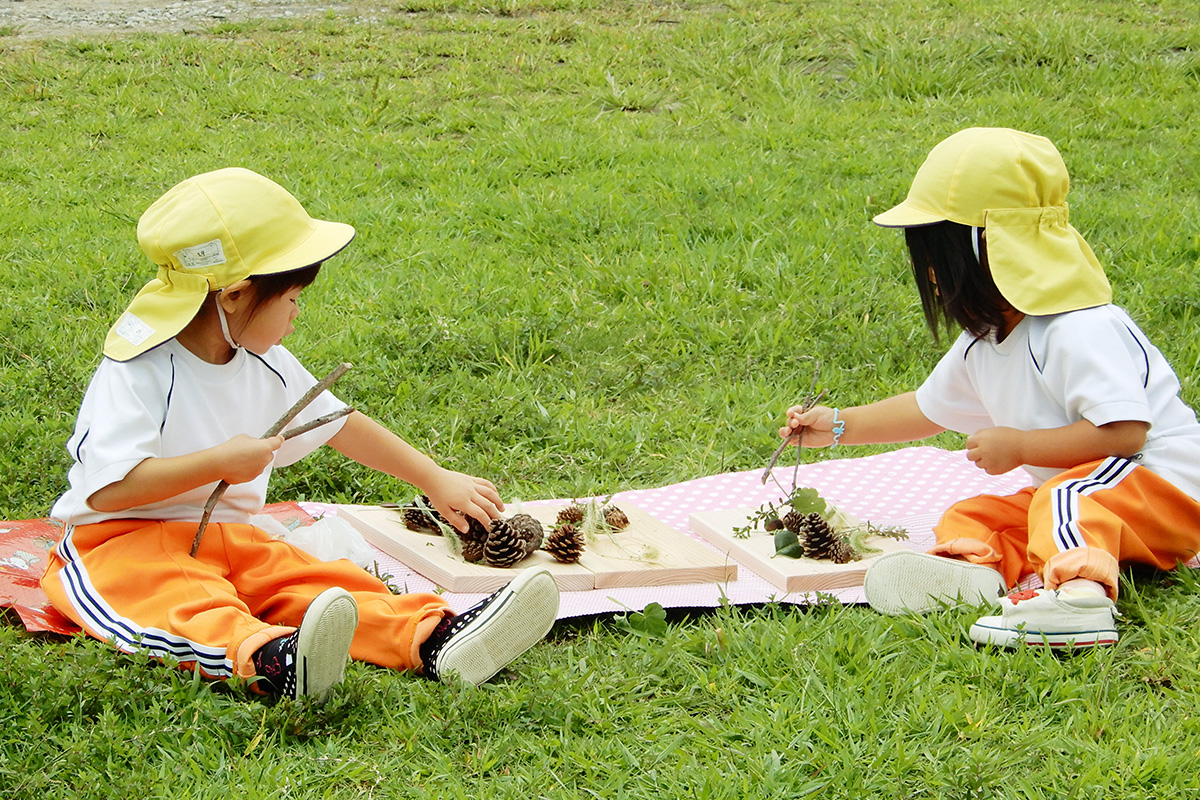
(956, 290)
(268, 287)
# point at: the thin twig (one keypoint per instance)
(300, 430)
(297, 407)
(806, 404)
(809, 402)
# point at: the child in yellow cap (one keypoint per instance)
(194, 372)
(1047, 375)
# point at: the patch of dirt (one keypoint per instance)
(42, 19)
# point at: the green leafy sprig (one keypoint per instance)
(806, 500)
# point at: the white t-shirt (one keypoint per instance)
(167, 402)
(1051, 371)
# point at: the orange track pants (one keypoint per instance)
(1082, 523)
(132, 583)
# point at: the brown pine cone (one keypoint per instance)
(573, 513)
(420, 515)
(821, 541)
(843, 553)
(505, 545)
(417, 519)
(616, 518)
(794, 522)
(528, 529)
(565, 543)
(473, 540)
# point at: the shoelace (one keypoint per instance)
(1027, 594)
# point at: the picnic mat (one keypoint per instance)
(908, 488)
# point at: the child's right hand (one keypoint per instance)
(457, 496)
(812, 428)
(243, 458)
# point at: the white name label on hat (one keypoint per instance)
(201, 256)
(133, 330)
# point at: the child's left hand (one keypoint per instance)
(457, 496)
(996, 450)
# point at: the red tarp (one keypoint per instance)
(25, 548)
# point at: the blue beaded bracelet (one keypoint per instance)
(839, 427)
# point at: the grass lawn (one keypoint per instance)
(596, 241)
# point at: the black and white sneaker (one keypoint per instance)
(312, 660)
(476, 644)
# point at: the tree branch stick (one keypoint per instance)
(812, 401)
(300, 405)
(300, 430)
(809, 401)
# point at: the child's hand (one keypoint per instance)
(243, 458)
(457, 496)
(812, 428)
(996, 450)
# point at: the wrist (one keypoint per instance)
(839, 427)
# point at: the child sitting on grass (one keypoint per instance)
(1047, 375)
(194, 371)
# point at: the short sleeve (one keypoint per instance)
(120, 423)
(948, 397)
(1097, 367)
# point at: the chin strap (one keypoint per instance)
(225, 324)
(975, 243)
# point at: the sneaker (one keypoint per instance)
(1050, 619)
(904, 582)
(484, 639)
(310, 661)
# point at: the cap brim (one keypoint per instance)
(327, 240)
(906, 216)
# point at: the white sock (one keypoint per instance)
(1081, 587)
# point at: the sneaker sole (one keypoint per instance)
(323, 647)
(904, 582)
(520, 617)
(1007, 637)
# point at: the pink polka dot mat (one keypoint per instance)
(909, 488)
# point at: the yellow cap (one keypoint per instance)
(1014, 186)
(207, 233)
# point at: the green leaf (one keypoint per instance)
(788, 544)
(806, 501)
(650, 621)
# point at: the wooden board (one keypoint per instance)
(647, 553)
(757, 553)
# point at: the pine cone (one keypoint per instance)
(821, 541)
(572, 513)
(507, 543)
(565, 543)
(794, 522)
(528, 529)
(616, 518)
(420, 515)
(473, 540)
(843, 553)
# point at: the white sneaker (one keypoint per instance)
(904, 582)
(1050, 619)
(481, 641)
(311, 660)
